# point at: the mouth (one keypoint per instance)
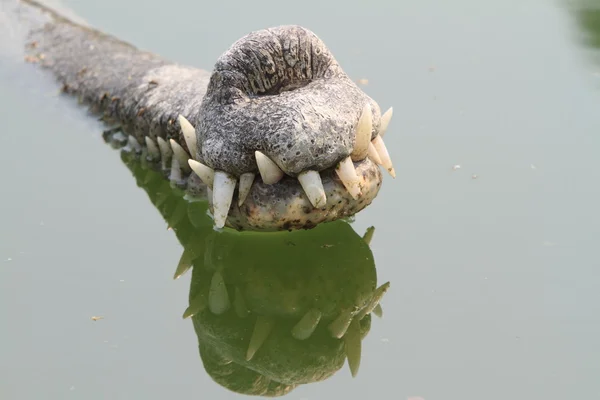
(268, 199)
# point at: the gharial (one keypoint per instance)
(281, 136)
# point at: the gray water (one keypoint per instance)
(495, 289)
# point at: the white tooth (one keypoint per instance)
(353, 347)
(386, 161)
(385, 121)
(339, 325)
(373, 154)
(189, 134)
(223, 187)
(378, 310)
(313, 187)
(377, 295)
(307, 325)
(369, 234)
(134, 144)
(206, 174)
(262, 329)
(239, 304)
(218, 298)
(363, 134)
(152, 148)
(165, 151)
(175, 175)
(345, 170)
(197, 305)
(269, 171)
(246, 181)
(181, 155)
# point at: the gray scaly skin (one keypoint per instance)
(277, 91)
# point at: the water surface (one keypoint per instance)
(494, 292)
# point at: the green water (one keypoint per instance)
(495, 289)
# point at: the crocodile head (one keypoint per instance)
(283, 123)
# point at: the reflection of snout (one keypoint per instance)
(286, 308)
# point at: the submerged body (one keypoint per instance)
(279, 134)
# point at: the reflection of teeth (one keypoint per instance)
(165, 151)
(223, 187)
(313, 187)
(239, 304)
(363, 134)
(134, 144)
(307, 325)
(386, 161)
(348, 176)
(368, 236)
(189, 134)
(246, 181)
(373, 154)
(175, 175)
(339, 326)
(353, 346)
(378, 310)
(218, 299)
(269, 171)
(185, 263)
(377, 295)
(206, 174)
(385, 121)
(197, 305)
(262, 329)
(152, 148)
(181, 155)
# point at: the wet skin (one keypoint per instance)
(285, 138)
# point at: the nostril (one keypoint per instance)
(276, 60)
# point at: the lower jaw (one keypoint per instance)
(284, 205)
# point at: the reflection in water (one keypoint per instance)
(271, 310)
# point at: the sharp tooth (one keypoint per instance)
(377, 295)
(362, 136)
(223, 187)
(307, 325)
(180, 154)
(206, 174)
(385, 121)
(134, 144)
(269, 171)
(197, 305)
(218, 298)
(373, 154)
(246, 181)
(339, 326)
(189, 134)
(313, 187)
(165, 151)
(369, 234)
(386, 161)
(175, 175)
(353, 347)
(262, 329)
(378, 310)
(345, 170)
(239, 304)
(152, 148)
